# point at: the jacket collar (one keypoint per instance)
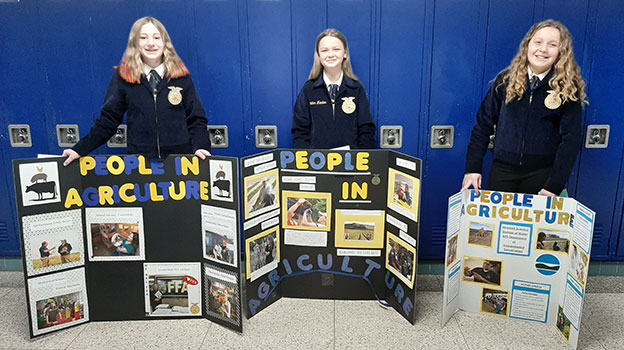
(346, 81)
(546, 78)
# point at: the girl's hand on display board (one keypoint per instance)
(202, 153)
(546, 193)
(471, 179)
(71, 155)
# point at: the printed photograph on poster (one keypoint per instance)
(306, 210)
(58, 300)
(262, 252)
(483, 271)
(553, 240)
(39, 183)
(172, 289)
(359, 229)
(481, 234)
(115, 234)
(494, 301)
(579, 264)
(451, 251)
(261, 193)
(563, 324)
(223, 296)
(403, 193)
(53, 241)
(221, 180)
(401, 259)
(220, 238)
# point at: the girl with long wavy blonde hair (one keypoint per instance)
(131, 67)
(534, 109)
(566, 82)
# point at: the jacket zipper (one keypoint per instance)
(526, 125)
(156, 117)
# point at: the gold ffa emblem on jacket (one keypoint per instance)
(348, 106)
(552, 101)
(175, 97)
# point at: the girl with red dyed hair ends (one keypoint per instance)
(153, 87)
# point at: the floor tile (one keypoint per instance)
(367, 325)
(11, 279)
(286, 324)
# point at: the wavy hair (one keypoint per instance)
(317, 67)
(131, 67)
(567, 81)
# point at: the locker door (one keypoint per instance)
(22, 86)
(600, 170)
(402, 92)
(220, 69)
(455, 92)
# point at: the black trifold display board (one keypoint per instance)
(129, 238)
(331, 224)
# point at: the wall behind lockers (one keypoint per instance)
(423, 63)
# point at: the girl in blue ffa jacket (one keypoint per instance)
(154, 88)
(332, 109)
(536, 106)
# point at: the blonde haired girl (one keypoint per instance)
(153, 87)
(535, 105)
(332, 109)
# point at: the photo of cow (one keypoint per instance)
(39, 183)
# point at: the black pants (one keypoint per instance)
(506, 177)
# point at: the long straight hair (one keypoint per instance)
(131, 67)
(567, 81)
(317, 67)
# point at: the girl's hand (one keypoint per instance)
(202, 153)
(71, 155)
(546, 193)
(471, 179)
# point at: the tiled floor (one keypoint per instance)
(323, 324)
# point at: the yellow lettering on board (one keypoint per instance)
(123, 193)
(192, 165)
(333, 159)
(177, 196)
(106, 195)
(361, 191)
(73, 198)
(115, 165)
(154, 196)
(86, 163)
(361, 162)
(301, 159)
(204, 189)
(142, 169)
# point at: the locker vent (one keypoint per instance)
(438, 235)
(597, 240)
(4, 232)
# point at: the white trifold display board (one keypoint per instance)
(518, 255)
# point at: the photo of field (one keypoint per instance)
(55, 260)
(554, 241)
(481, 234)
(358, 231)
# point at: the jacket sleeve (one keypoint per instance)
(487, 117)
(366, 125)
(196, 120)
(302, 122)
(570, 131)
(111, 116)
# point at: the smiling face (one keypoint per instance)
(543, 49)
(331, 53)
(151, 45)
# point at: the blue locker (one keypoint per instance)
(601, 169)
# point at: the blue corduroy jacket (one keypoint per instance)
(156, 126)
(316, 125)
(528, 133)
